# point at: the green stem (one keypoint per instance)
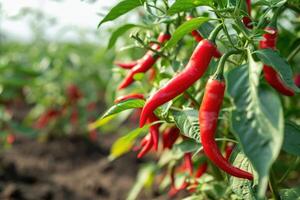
(212, 37)
(217, 173)
(293, 53)
(192, 99)
(273, 186)
(285, 175)
(219, 72)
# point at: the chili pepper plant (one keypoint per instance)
(215, 96)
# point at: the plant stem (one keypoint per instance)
(293, 53)
(219, 72)
(273, 186)
(285, 175)
(192, 99)
(214, 33)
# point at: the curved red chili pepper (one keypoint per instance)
(246, 20)
(297, 80)
(271, 76)
(152, 74)
(170, 136)
(129, 96)
(154, 131)
(74, 93)
(126, 65)
(188, 164)
(145, 63)
(45, 118)
(208, 118)
(147, 144)
(199, 38)
(201, 170)
(195, 68)
(228, 150)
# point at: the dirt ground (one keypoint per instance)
(69, 168)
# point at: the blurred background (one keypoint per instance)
(55, 67)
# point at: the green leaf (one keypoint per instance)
(187, 121)
(124, 144)
(241, 187)
(120, 31)
(274, 60)
(115, 109)
(291, 143)
(124, 105)
(120, 9)
(184, 5)
(184, 29)
(257, 119)
(145, 178)
(290, 194)
(188, 145)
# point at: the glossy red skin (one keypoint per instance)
(147, 144)
(152, 74)
(195, 68)
(201, 170)
(208, 119)
(129, 96)
(154, 131)
(170, 136)
(199, 38)
(270, 74)
(126, 65)
(228, 150)
(297, 80)
(246, 20)
(188, 163)
(145, 63)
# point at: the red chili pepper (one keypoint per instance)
(170, 136)
(10, 138)
(188, 162)
(145, 63)
(228, 150)
(246, 20)
(146, 144)
(201, 170)
(45, 118)
(271, 76)
(73, 93)
(195, 68)
(208, 118)
(126, 65)
(297, 80)
(154, 131)
(152, 74)
(199, 38)
(187, 166)
(74, 116)
(129, 96)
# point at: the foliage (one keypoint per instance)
(258, 119)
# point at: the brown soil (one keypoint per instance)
(69, 168)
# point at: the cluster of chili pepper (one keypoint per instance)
(271, 76)
(73, 94)
(211, 103)
(144, 64)
(187, 166)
